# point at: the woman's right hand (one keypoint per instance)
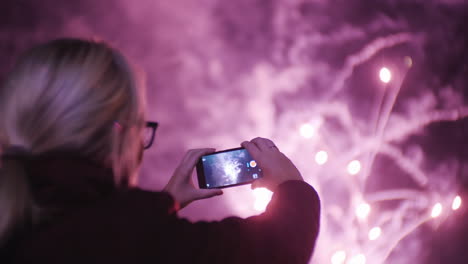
(276, 167)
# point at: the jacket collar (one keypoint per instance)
(63, 180)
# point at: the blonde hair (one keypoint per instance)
(67, 95)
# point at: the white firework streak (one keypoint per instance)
(414, 206)
(365, 54)
(231, 168)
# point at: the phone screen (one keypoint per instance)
(227, 168)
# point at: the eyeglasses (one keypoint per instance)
(149, 132)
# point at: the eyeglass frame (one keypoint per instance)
(153, 126)
(149, 124)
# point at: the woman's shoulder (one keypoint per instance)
(119, 221)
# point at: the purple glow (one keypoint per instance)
(305, 74)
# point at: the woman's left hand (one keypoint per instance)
(181, 186)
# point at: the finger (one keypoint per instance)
(192, 153)
(253, 150)
(196, 154)
(256, 184)
(203, 194)
(263, 144)
(191, 158)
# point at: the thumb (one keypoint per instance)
(203, 194)
(256, 184)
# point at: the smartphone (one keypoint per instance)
(227, 168)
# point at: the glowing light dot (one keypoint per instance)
(436, 210)
(307, 130)
(408, 61)
(321, 157)
(354, 167)
(358, 259)
(363, 210)
(375, 233)
(338, 257)
(385, 75)
(456, 203)
(262, 198)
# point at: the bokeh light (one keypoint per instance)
(363, 210)
(321, 157)
(307, 130)
(375, 233)
(436, 210)
(354, 167)
(385, 75)
(456, 204)
(262, 198)
(339, 257)
(358, 259)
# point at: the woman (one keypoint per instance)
(72, 124)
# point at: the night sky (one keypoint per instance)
(220, 72)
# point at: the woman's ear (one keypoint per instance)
(116, 130)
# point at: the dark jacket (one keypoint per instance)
(90, 221)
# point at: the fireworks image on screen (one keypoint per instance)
(231, 167)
